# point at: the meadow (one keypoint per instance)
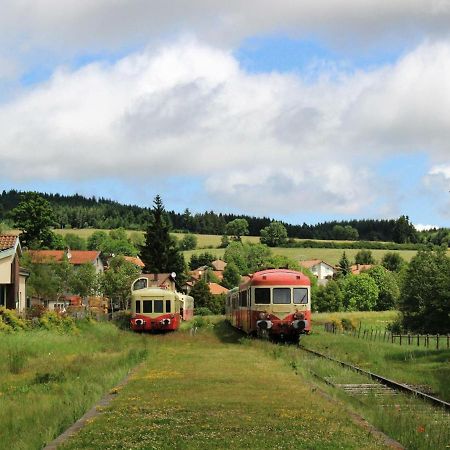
(48, 379)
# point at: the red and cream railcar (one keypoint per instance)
(275, 303)
(157, 309)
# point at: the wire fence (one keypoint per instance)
(437, 341)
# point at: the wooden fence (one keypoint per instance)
(425, 340)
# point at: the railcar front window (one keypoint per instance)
(147, 306)
(281, 296)
(138, 306)
(262, 296)
(300, 296)
(168, 306)
(140, 284)
(158, 307)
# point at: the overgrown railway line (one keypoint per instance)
(393, 385)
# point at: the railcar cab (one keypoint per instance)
(153, 308)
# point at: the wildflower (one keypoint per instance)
(420, 429)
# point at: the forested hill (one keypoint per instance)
(76, 211)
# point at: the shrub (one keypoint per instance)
(202, 311)
(53, 321)
(10, 319)
(36, 311)
(348, 324)
(122, 319)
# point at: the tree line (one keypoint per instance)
(77, 211)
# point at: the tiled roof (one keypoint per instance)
(308, 263)
(217, 289)
(219, 265)
(7, 241)
(135, 260)
(75, 257)
(356, 269)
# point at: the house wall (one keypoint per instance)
(22, 294)
(5, 270)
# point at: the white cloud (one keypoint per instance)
(265, 142)
(105, 24)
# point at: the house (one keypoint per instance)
(200, 272)
(356, 269)
(321, 269)
(219, 265)
(12, 276)
(75, 257)
(135, 260)
(217, 289)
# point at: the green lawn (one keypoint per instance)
(209, 391)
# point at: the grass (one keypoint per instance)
(377, 320)
(215, 390)
(414, 423)
(406, 364)
(49, 379)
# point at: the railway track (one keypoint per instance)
(391, 385)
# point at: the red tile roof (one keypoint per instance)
(7, 241)
(135, 260)
(356, 269)
(219, 265)
(217, 289)
(77, 257)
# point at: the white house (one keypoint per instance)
(321, 269)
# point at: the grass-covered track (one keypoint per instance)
(217, 390)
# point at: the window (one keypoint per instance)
(158, 307)
(138, 306)
(243, 298)
(282, 296)
(300, 296)
(262, 296)
(140, 284)
(147, 306)
(168, 306)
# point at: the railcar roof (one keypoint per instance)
(274, 277)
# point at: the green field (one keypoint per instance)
(213, 390)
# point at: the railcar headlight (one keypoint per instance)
(262, 315)
(299, 316)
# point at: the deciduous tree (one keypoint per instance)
(274, 235)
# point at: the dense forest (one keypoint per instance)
(76, 211)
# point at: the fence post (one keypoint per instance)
(400, 339)
(359, 330)
(409, 339)
(427, 340)
(437, 341)
(392, 338)
(384, 336)
(418, 340)
(448, 340)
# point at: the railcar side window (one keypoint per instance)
(158, 307)
(262, 296)
(147, 306)
(281, 296)
(300, 296)
(243, 298)
(138, 306)
(168, 306)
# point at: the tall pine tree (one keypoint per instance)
(160, 253)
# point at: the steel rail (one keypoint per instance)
(383, 380)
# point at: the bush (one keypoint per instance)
(53, 321)
(348, 324)
(9, 318)
(36, 311)
(202, 311)
(122, 319)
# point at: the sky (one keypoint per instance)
(301, 111)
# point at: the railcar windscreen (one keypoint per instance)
(147, 306)
(158, 307)
(168, 306)
(138, 306)
(300, 296)
(140, 284)
(281, 296)
(262, 296)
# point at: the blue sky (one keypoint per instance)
(302, 113)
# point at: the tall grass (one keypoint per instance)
(48, 379)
